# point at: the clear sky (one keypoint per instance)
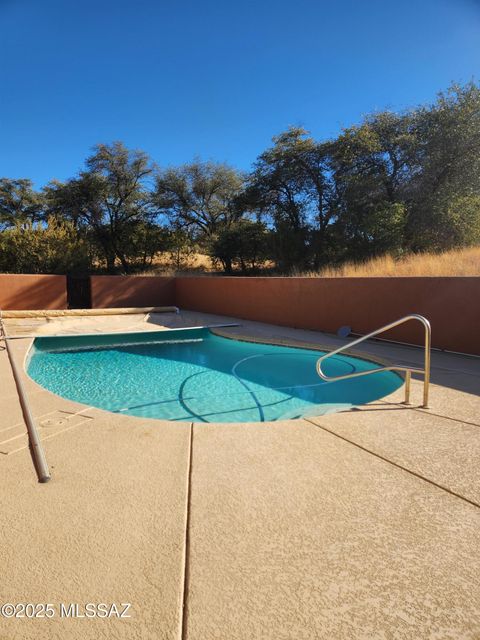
(213, 78)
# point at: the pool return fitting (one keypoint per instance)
(408, 370)
(36, 447)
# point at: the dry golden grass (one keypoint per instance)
(457, 262)
(194, 261)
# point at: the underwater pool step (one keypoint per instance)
(15, 438)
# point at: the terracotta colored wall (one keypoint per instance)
(32, 292)
(132, 291)
(451, 304)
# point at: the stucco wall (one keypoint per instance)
(451, 304)
(132, 291)
(32, 292)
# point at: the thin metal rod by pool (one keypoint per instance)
(38, 454)
(408, 370)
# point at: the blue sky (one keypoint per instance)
(210, 78)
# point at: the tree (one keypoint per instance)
(410, 181)
(200, 197)
(372, 166)
(181, 248)
(52, 247)
(19, 203)
(244, 243)
(291, 185)
(142, 241)
(446, 191)
(394, 183)
(110, 199)
(383, 151)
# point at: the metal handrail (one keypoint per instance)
(408, 370)
(36, 447)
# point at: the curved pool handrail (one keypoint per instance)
(408, 370)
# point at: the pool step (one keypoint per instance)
(15, 438)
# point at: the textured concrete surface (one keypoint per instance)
(109, 527)
(360, 524)
(297, 534)
(444, 450)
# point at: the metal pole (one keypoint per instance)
(426, 373)
(36, 447)
(408, 377)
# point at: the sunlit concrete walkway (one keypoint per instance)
(358, 525)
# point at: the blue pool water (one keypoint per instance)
(195, 375)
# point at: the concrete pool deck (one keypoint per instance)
(362, 524)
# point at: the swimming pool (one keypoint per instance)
(196, 375)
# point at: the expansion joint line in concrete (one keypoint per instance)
(438, 415)
(395, 464)
(186, 542)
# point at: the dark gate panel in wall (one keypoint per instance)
(79, 292)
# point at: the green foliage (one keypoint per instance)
(140, 242)
(181, 248)
(110, 199)
(35, 248)
(456, 223)
(244, 244)
(19, 203)
(290, 187)
(395, 183)
(444, 193)
(200, 197)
